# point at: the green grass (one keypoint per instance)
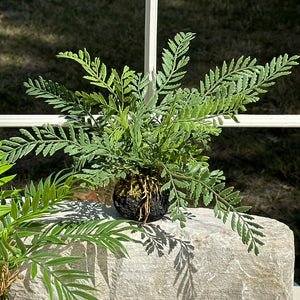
(263, 163)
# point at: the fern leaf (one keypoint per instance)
(96, 69)
(172, 63)
(245, 78)
(56, 95)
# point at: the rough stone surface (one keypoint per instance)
(204, 260)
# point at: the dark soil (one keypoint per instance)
(129, 207)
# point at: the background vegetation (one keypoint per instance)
(262, 163)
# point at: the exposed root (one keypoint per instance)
(145, 188)
(149, 188)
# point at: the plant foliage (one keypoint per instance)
(23, 234)
(166, 134)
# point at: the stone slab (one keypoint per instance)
(204, 260)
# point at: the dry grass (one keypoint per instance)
(8, 278)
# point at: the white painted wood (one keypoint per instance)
(150, 37)
(150, 51)
(30, 120)
(289, 121)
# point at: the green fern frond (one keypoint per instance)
(119, 86)
(47, 141)
(227, 201)
(174, 60)
(58, 96)
(211, 187)
(139, 85)
(95, 68)
(244, 77)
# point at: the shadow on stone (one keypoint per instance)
(164, 243)
(84, 210)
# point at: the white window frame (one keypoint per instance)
(151, 12)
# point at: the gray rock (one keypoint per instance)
(204, 260)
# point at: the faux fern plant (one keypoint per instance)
(146, 148)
